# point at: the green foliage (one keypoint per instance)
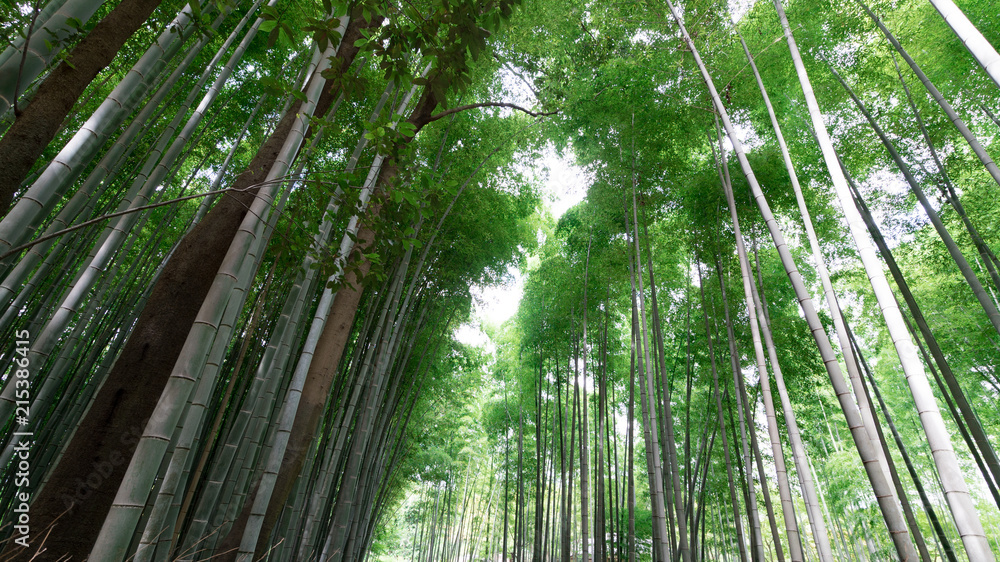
(458, 199)
(634, 112)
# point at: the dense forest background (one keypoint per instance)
(237, 240)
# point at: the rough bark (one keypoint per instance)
(84, 483)
(329, 351)
(37, 125)
(107, 435)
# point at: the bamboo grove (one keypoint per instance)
(238, 237)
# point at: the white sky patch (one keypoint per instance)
(565, 183)
(895, 225)
(517, 88)
(564, 186)
(647, 37)
(739, 8)
(748, 137)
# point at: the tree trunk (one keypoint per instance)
(36, 126)
(330, 347)
(106, 438)
(780, 470)
(645, 360)
(56, 177)
(584, 430)
(38, 46)
(152, 174)
(990, 261)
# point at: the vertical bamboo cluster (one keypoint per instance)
(241, 339)
(177, 293)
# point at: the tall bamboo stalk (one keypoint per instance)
(984, 53)
(863, 443)
(953, 116)
(985, 301)
(733, 502)
(966, 516)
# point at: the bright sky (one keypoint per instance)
(564, 185)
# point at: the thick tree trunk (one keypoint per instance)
(153, 173)
(106, 438)
(329, 350)
(31, 53)
(36, 126)
(55, 178)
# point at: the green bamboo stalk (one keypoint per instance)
(33, 52)
(984, 53)
(862, 441)
(21, 221)
(112, 542)
(953, 483)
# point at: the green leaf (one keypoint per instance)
(406, 128)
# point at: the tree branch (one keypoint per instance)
(453, 110)
(17, 249)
